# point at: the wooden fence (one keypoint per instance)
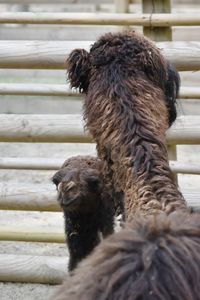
(69, 128)
(148, 20)
(51, 55)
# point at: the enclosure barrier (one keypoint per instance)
(34, 269)
(29, 163)
(49, 2)
(51, 55)
(43, 198)
(62, 90)
(69, 128)
(38, 234)
(31, 197)
(119, 19)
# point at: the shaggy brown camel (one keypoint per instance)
(130, 92)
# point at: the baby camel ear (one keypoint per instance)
(78, 69)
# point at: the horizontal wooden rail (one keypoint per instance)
(37, 234)
(36, 197)
(185, 168)
(52, 54)
(17, 233)
(42, 128)
(37, 54)
(191, 92)
(31, 163)
(155, 20)
(49, 2)
(39, 163)
(186, 130)
(52, 3)
(69, 128)
(33, 269)
(28, 197)
(28, 89)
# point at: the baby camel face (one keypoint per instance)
(78, 189)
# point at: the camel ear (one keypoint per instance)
(78, 69)
(57, 178)
(171, 92)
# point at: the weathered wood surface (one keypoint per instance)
(69, 128)
(39, 163)
(37, 54)
(36, 197)
(42, 128)
(185, 168)
(121, 6)
(190, 92)
(28, 197)
(29, 89)
(172, 154)
(186, 130)
(155, 20)
(157, 6)
(37, 234)
(179, 54)
(51, 2)
(33, 269)
(32, 163)
(52, 55)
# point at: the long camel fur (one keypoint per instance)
(130, 91)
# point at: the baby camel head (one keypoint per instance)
(78, 189)
(118, 56)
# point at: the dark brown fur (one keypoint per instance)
(88, 206)
(153, 258)
(130, 92)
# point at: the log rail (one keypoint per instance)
(52, 54)
(119, 19)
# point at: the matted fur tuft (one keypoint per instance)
(153, 258)
(78, 67)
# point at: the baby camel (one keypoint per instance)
(88, 206)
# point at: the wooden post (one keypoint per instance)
(172, 153)
(157, 6)
(121, 6)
